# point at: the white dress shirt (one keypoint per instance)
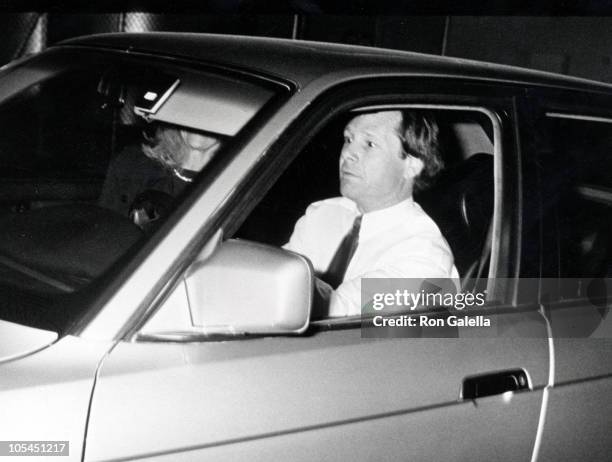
(400, 241)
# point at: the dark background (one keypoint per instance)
(574, 45)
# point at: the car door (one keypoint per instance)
(333, 392)
(572, 142)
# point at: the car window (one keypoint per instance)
(97, 151)
(576, 199)
(460, 199)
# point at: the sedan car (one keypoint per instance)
(190, 335)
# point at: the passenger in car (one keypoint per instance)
(142, 186)
(375, 230)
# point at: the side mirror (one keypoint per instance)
(250, 288)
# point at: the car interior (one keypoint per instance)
(460, 201)
(59, 136)
(56, 237)
(62, 135)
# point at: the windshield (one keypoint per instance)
(96, 151)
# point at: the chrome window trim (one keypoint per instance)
(586, 118)
(596, 193)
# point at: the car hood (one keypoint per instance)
(18, 341)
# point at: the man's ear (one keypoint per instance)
(413, 166)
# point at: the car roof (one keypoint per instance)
(301, 62)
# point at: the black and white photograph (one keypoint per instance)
(306, 231)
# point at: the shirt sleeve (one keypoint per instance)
(306, 237)
(414, 258)
(298, 239)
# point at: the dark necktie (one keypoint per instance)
(342, 257)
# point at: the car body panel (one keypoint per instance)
(45, 396)
(294, 60)
(413, 436)
(579, 410)
(578, 421)
(333, 385)
(19, 341)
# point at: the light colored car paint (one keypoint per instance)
(45, 396)
(358, 395)
(19, 341)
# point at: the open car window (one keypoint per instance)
(97, 150)
(460, 199)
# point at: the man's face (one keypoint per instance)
(372, 170)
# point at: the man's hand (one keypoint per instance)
(322, 295)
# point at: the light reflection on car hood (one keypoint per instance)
(18, 341)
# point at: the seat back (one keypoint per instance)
(461, 204)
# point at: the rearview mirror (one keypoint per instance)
(250, 288)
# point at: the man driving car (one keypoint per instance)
(375, 229)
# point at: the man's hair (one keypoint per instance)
(419, 132)
(167, 146)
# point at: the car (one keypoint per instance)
(192, 338)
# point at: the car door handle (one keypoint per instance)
(494, 383)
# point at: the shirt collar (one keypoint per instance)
(373, 223)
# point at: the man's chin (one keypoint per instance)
(349, 191)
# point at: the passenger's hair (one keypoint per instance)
(419, 132)
(167, 145)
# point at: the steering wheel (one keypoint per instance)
(149, 208)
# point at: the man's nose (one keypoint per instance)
(349, 153)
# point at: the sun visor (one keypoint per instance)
(210, 103)
(156, 94)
